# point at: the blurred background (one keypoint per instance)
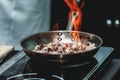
(101, 17)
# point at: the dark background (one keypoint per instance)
(95, 14)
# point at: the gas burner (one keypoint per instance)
(70, 70)
(65, 71)
(34, 76)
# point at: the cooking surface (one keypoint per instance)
(20, 61)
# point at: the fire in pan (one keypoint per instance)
(61, 46)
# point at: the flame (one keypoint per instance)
(75, 9)
(56, 26)
(75, 17)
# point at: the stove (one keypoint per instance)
(20, 66)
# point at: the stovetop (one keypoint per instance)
(20, 65)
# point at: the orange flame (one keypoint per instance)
(56, 26)
(75, 10)
(74, 7)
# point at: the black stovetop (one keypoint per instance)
(21, 64)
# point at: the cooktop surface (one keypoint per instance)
(20, 67)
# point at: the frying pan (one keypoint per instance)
(29, 43)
